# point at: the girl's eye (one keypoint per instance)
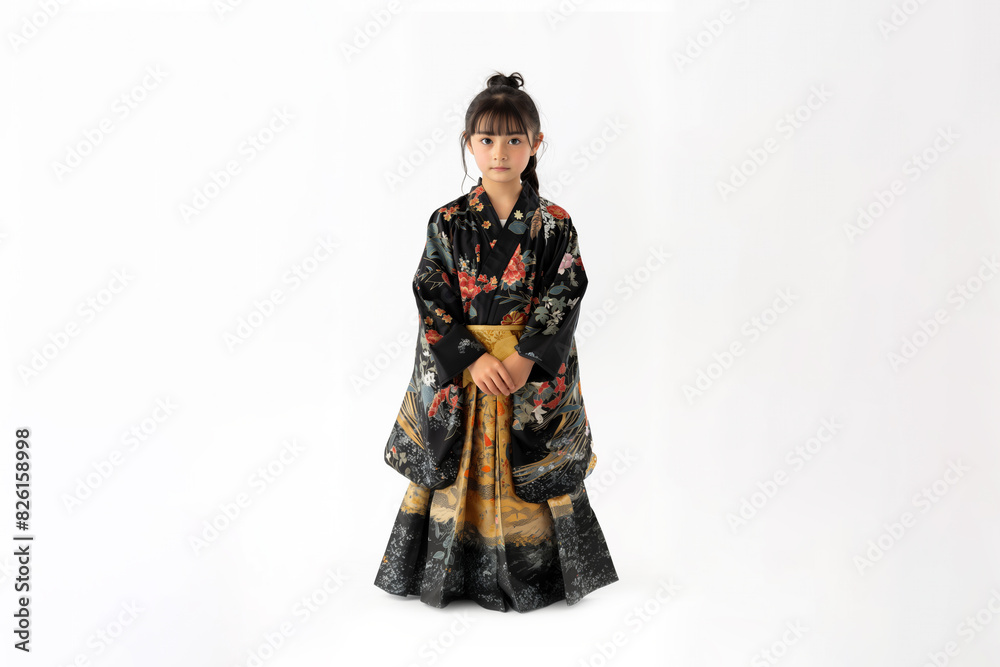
(516, 139)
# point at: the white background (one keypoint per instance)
(638, 142)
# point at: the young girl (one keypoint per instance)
(492, 432)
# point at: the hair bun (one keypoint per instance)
(513, 81)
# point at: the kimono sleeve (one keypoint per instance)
(439, 304)
(548, 333)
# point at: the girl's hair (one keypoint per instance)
(503, 103)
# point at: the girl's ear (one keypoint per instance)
(538, 142)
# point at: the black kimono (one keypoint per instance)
(496, 510)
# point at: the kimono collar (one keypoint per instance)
(526, 203)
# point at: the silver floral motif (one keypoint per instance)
(548, 221)
(466, 343)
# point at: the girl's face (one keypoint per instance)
(502, 157)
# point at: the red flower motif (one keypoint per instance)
(432, 336)
(448, 212)
(468, 286)
(514, 317)
(438, 397)
(474, 202)
(558, 212)
(515, 270)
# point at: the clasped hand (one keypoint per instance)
(494, 377)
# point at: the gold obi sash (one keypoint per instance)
(498, 339)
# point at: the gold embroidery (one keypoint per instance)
(482, 499)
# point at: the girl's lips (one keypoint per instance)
(501, 168)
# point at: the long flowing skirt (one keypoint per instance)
(477, 540)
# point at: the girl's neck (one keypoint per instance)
(503, 196)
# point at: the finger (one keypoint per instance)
(507, 379)
(500, 384)
(494, 388)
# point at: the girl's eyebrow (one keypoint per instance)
(486, 134)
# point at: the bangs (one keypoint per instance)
(502, 119)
